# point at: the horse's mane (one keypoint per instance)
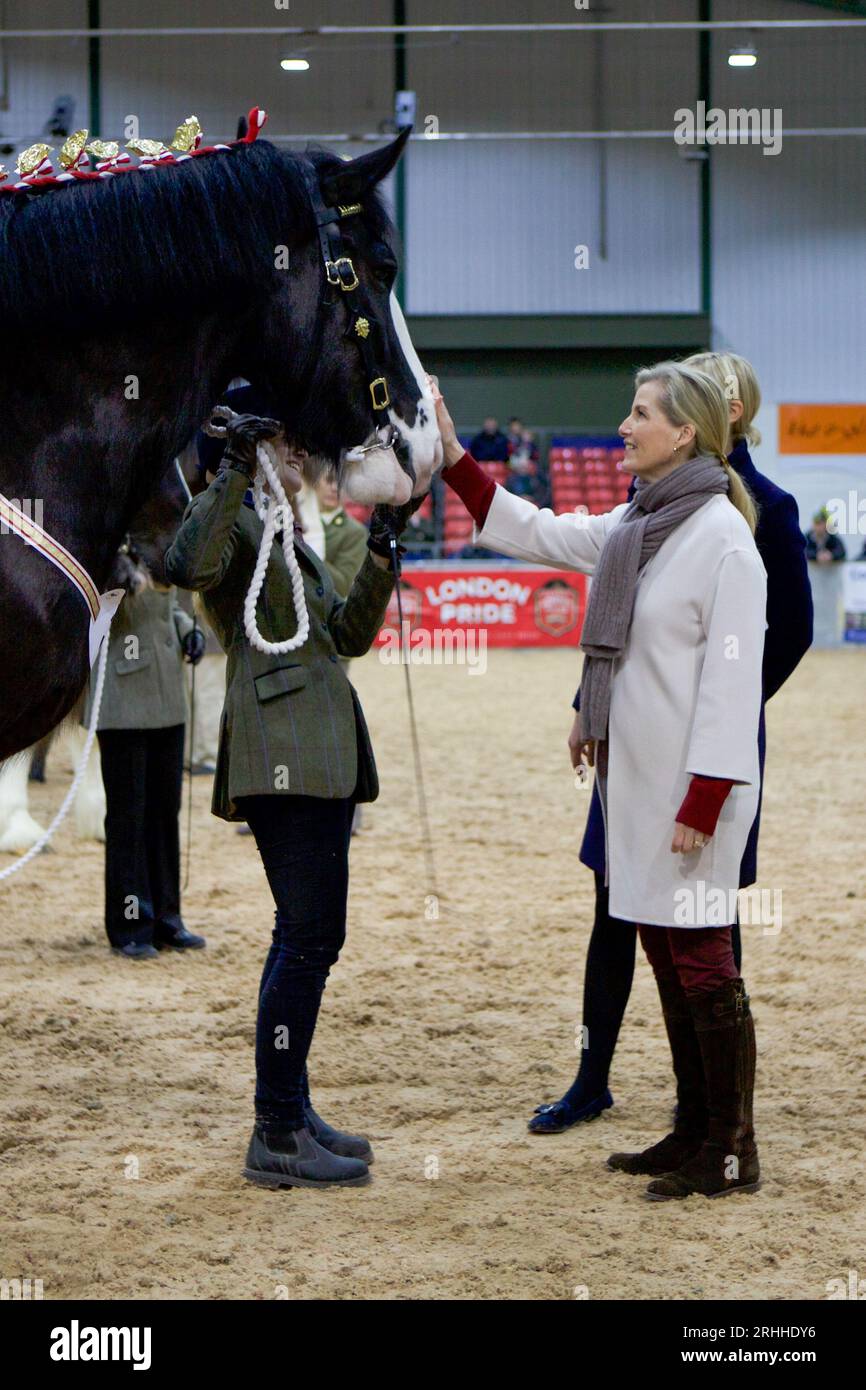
(174, 236)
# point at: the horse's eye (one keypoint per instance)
(384, 272)
(383, 265)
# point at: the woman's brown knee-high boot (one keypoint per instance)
(690, 1126)
(728, 1159)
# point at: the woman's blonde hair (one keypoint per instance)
(737, 379)
(690, 396)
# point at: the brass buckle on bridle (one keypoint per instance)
(385, 400)
(342, 272)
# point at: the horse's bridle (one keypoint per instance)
(340, 275)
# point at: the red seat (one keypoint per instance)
(359, 512)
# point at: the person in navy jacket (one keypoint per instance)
(611, 954)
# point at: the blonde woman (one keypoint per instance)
(611, 951)
(670, 705)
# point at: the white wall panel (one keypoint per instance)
(492, 229)
(789, 289)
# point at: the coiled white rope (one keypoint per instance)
(79, 771)
(274, 510)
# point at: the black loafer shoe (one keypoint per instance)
(137, 950)
(179, 940)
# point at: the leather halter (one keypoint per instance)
(340, 275)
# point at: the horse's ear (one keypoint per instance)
(243, 127)
(352, 180)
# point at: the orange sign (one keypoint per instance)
(822, 429)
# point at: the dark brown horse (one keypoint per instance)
(149, 536)
(128, 305)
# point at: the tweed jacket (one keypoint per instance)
(144, 686)
(290, 724)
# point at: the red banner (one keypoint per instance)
(516, 606)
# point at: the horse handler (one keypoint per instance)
(294, 758)
(141, 728)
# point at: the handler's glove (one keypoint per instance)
(388, 521)
(243, 435)
(193, 644)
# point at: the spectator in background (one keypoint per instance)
(523, 478)
(345, 538)
(491, 445)
(420, 535)
(515, 433)
(823, 545)
(142, 722)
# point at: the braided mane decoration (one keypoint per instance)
(36, 172)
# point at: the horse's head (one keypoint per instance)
(335, 353)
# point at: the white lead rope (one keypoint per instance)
(274, 510)
(79, 771)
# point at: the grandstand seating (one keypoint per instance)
(583, 473)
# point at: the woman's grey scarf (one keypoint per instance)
(657, 510)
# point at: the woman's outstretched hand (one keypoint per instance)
(451, 445)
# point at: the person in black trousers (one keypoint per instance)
(294, 758)
(141, 736)
(611, 955)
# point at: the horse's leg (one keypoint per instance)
(19, 830)
(40, 754)
(90, 797)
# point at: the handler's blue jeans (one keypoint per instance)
(304, 845)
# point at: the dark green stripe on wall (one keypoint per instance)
(562, 372)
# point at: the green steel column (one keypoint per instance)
(94, 69)
(400, 172)
(704, 94)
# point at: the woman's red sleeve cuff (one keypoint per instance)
(473, 486)
(703, 803)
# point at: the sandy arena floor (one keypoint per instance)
(126, 1089)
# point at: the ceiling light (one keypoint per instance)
(294, 65)
(742, 56)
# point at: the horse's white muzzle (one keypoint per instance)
(372, 476)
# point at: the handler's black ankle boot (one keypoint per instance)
(690, 1124)
(727, 1161)
(334, 1140)
(293, 1158)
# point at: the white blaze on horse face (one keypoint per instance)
(423, 437)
